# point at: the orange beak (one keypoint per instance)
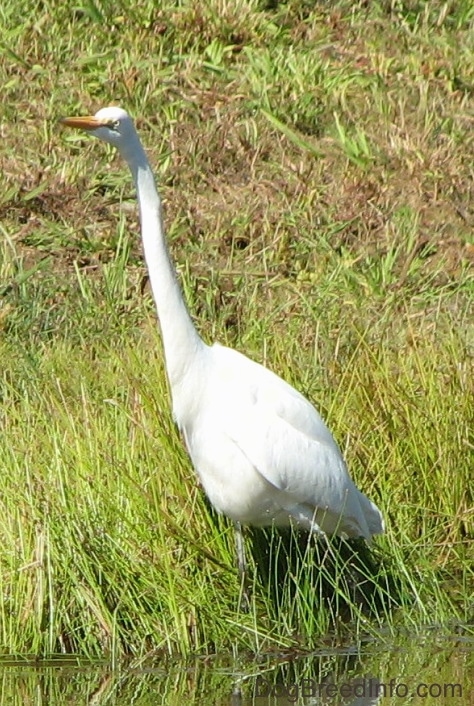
(87, 122)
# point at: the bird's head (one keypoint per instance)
(112, 125)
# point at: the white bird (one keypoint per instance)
(262, 452)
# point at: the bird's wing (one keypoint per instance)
(284, 437)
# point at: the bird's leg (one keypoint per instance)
(239, 545)
(244, 600)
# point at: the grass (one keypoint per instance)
(316, 165)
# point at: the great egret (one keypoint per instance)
(261, 450)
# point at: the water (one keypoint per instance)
(432, 669)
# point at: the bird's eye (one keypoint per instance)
(113, 125)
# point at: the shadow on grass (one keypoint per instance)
(343, 579)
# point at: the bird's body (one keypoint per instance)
(262, 452)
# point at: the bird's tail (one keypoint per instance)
(372, 515)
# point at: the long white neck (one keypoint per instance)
(181, 341)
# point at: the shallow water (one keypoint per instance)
(432, 669)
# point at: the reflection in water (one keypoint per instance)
(351, 692)
(428, 670)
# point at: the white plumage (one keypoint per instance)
(262, 452)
